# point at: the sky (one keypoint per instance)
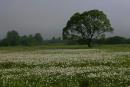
(48, 17)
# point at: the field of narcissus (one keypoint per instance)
(65, 68)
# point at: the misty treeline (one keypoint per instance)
(14, 39)
(108, 40)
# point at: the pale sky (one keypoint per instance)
(50, 16)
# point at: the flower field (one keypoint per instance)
(65, 68)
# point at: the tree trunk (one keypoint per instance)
(89, 43)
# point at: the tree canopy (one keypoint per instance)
(38, 37)
(116, 40)
(12, 38)
(88, 26)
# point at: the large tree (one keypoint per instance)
(87, 26)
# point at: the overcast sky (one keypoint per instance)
(49, 16)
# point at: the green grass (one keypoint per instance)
(32, 48)
(119, 47)
(20, 66)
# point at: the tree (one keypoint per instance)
(24, 41)
(128, 41)
(87, 26)
(38, 38)
(31, 40)
(53, 38)
(12, 38)
(59, 38)
(116, 40)
(3, 42)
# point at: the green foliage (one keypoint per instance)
(53, 38)
(12, 38)
(38, 38)
(88, 25)
(116, 40)
(128, 41)
(3, 42)
(24, 41)
(31, 40)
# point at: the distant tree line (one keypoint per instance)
(115, 40)
(108, 40)
(89, 27)
(14, 39)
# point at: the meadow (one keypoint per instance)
(65, 66)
